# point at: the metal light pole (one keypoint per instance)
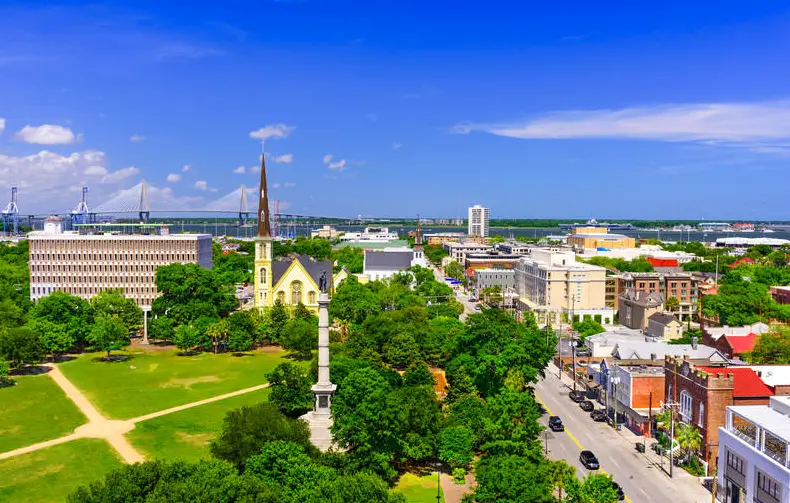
(438, 482)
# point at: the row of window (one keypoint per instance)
(112, 244)
(105, 257)
(686, 409)
(764, 482)
(97, 268)
(99, 279)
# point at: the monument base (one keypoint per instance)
(319, 425)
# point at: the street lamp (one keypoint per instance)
(438, 482)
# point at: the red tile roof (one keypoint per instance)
(741, 261)
(470, 272)
(747, 382)
(741, 344)
(662, 262)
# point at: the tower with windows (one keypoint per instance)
(263, 246)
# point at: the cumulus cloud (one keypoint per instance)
(339, 165)
(736, 124)
(273, 131)
(201, 185)
(137, 138)
(327, 158)
(240, 170)
(47, 134)
(95, 171)
(255, 169)
(284, 159)
(173, 177)
(186, 168)
(121, 174)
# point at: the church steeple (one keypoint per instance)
(263, 202)
(418, 237)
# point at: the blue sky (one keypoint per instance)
(572, 110)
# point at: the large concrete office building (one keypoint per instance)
(555, 287)
(478, 221)
(85, 262)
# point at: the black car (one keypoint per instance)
(586, 405)
(555, 424)
(576, 396)
(598, 415)
(588, 460)
(620, 493)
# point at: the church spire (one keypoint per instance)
(418, 237)
(263, 201)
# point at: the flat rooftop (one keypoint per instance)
(766, 417)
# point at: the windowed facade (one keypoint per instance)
(296, 292)
(686, 406)
(311, 299)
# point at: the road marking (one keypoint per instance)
(578, 444)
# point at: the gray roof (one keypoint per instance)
(313, 268)
(663, 318)
(388, 260)
(646, 299)
(656, 350)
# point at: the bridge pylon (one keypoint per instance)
(11, 215)
(143, 208)
(244, 209)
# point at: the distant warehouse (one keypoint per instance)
(85, 262)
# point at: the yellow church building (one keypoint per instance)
(292, 280)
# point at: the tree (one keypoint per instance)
(218, 333)
(54, 337)
(455, 446)
(4, 370)
(772, 348)
(418, 374)
(300, 312)
(366, 421)
(299, 336)
(287, 464)
(349, 257)
(246, 430)
(20, 346)
(587, 328)
(278, 317)
(186, 337)
(688, 438)
(113, 304)
(493, 295)
(188, 292)
(455, 270)
(511, 422)
(353, 302)
(596, 488)
(108, 334)
(512, 479)
(560, 472)
(241, 331)
(418, 425)
(672, 304)
(290, 389)
(401, 350)
(161, 328)
(73, 314)
(435, 253)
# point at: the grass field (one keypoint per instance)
(49, 475)
(418, 489)
(34, 410)
(154, 380)
(186, 434)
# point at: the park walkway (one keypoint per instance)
(99, 426)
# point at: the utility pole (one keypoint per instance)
(573, 345)
(615, 381)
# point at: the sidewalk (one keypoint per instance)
(627, 439)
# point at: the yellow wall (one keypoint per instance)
(283, 289)
(582, 241)
(589, 230)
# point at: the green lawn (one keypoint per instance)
(418, 489)
(186, 434)
(154, 380)
(49, 475)
(34, 410)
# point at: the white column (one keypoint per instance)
(323, 339)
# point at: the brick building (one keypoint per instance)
(683, 286)
(703, 393)
(781, 294)
(735, 346)
(639, 391)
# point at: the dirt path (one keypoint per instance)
(454, 493)
(99, 426)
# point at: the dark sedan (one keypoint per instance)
(555, 423)
(588, 460)
(586, 405)
(598, 415)
(576, 396)
(620, 493)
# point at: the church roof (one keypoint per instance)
(314, 268)
(264, 230)
(388, 260)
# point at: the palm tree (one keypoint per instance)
(559, 473)
(689, 438)
(218, 332)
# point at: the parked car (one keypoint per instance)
(620, 493)
(576, 396)
(588, 460)
(598, 415)
(586, 405)
(555, 424)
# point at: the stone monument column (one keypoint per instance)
(320, 418)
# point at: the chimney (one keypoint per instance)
(652, 357)
(693, 343)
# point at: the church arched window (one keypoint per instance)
(296, 292)
(263, 275)
(311, 297)
(281, 296)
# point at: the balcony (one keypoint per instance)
(754, 431)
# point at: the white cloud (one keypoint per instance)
(121, 174)
(158, 198)
(240, 170)
(2, 124)
(275, 185)
(396, 146)
(186, 168)
(338, 165)
(327, 158)
(288, 185)
(713, 123)
(201, 185)
(173, 177)
(284, 159)
(274, 131)
(137, 138)
(47, 134)
(255, 169)
(95, 171)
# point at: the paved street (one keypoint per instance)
(642, 480)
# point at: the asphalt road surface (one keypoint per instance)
(640, 479)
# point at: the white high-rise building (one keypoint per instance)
(478, 221)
